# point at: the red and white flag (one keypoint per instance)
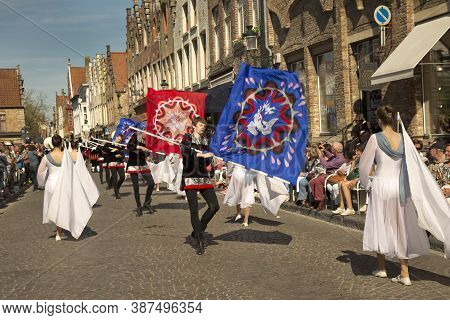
(170, 114)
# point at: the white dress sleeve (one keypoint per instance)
(366, 162)
(42, 172)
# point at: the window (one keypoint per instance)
(187, 77)
(227, 11)
(180, 68)
(241, 19)
(185, 18)
(194, 58)
(325, 84)
(216, 24)
(193, 14)
(299, 68)
(2, 122)
(203, 56)
(165, 23)
(433, 77)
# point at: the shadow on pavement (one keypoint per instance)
(256, 236)
(177, 206)
(251, 219)
(363, 265)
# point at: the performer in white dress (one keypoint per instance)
(241, 192)
(392, 225)
(65, 201)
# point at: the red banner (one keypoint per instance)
(170, 114)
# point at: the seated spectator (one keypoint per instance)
(440, 169)
(313, 169)
(331, 162)
(348, 184)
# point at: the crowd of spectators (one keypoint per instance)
(18, 167)
(326, 164)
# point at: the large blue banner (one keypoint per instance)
(264, 125)
(123, 128)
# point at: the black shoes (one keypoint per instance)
(149, 208)
(118, 196)
(200, 247)
(200, 243)
(139, 212)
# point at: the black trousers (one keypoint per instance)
(117, 177)
(150, 186)
(199, 225)
(108, 177)
(33, 174)
(100, 172)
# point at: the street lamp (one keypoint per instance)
(251, 39)
(164, 84)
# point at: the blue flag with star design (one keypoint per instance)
(264, 125)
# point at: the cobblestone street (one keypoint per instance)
(121, 256)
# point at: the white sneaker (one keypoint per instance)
(379, 273)
(245, 224)
(404, 281)
(238, 217)
(348, 212)
(363, 208)
(278, 217)
(338, 211)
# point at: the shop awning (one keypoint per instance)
(401, 63)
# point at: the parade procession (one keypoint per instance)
(235, 150)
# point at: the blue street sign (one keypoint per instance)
(382, 15)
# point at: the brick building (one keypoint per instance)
(335, 48)
(116, 87)
(150, 54)
(12, 114)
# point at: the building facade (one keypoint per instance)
(78, 89)
(116, 87)
(191, 45)
(97, 93)
(150, 51)
(334, 46)
(12, 113)
(61, 103)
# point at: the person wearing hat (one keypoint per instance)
(440, 168)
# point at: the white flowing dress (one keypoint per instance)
(50, 182)
(177, 166)
(66, 202)
(241, 190)
(390, 228)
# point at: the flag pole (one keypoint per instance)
(111, 142)
(165, 139)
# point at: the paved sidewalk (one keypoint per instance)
(121, 256)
